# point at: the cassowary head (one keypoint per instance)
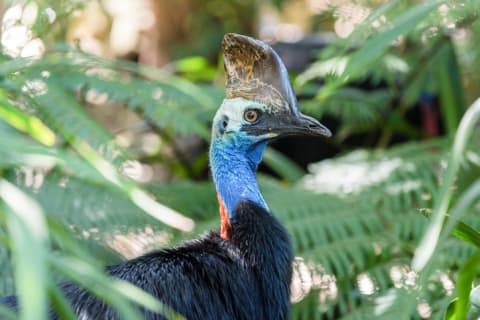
(260, 103)
(259, 106)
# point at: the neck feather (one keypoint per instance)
(234, 174)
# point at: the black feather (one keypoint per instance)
(246, 277)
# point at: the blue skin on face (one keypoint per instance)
(234, 160)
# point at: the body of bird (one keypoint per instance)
(243, 271)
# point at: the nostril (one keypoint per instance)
(311, 123)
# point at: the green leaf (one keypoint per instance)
(431, 238)
(28, 124)
(466, 276)
(60, 304)
(468, 234)
(375, 47)
(450, 313)
(450, 87)
(7, 314)
(28, 231)
(196, 68)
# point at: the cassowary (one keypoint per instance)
(244, 271)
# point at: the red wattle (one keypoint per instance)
(225, 225)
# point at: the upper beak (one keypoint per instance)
(305, 125)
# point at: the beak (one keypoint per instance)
(302, 125)
(287, 124)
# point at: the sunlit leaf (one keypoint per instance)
(29, 234)
(28, 124)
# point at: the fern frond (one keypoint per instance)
(369, 229)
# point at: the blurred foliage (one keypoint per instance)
(214, 18)
(425, 63)
(389, 233)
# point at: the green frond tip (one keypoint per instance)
(468, 234)
(28, 124)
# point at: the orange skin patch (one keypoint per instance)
(225, 225)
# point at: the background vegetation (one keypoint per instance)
(103, 158)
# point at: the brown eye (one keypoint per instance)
(251, 115)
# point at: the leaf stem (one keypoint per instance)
(430, 241)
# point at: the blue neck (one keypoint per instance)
(234, 172)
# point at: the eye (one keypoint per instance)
(251, 115)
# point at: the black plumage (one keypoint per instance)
(246, 277)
